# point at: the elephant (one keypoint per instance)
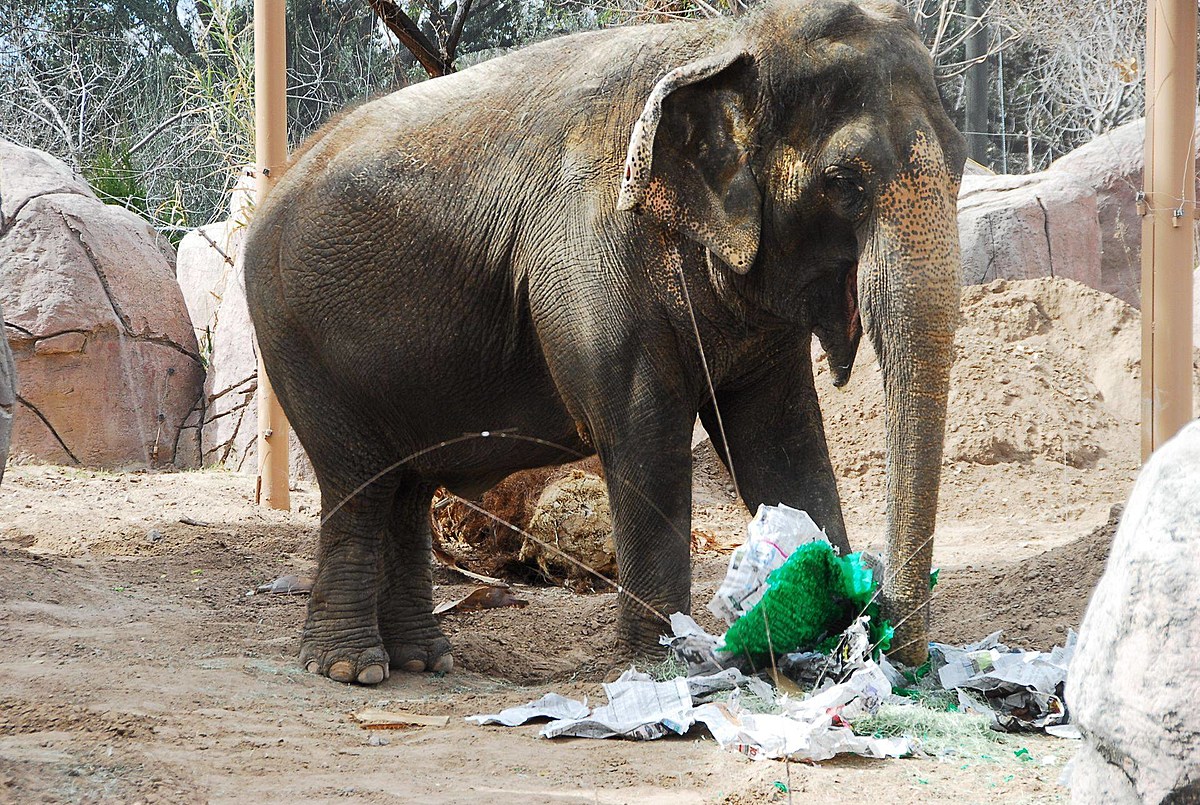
(578, 247)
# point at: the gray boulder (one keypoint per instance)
(206, 260)
(1112, 165)
(228, 422)
(1134, 684)
(210, 274)
(1076, 219)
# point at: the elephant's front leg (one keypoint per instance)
(647, 466)
(776, 441)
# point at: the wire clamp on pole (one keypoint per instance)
(1140, 201)
(1176, 214)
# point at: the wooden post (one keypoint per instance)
(270, 154)
(1167, 226)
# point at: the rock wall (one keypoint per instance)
(210, 274)
(1023, 227)
(228, 421)
(100, 335)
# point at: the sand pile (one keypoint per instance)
(1045, 368)
(1034, 601)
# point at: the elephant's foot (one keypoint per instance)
(418, 649)
(639, 635)
(343, 663)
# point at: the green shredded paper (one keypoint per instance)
(810, 600)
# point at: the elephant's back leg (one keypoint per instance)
(411, 636)
(358, 482)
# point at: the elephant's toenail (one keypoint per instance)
(444, 664)
(414, 666)
(312, 667)
(371, 675)
(341, 671)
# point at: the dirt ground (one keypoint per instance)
(134, 667)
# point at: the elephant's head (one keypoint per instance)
(810, 154)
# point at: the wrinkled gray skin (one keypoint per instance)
(492, 251)
(8, 396)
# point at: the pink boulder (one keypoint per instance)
(101, 339)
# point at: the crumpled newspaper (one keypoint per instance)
(814, 728)
(552, 705)
(771, 537)
(1019, 689)
(762, 736)
(638, 708)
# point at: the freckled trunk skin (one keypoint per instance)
(910, 290)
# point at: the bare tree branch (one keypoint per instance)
(456, 29)
(412, 38)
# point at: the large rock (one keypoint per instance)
(229, 419)
(210, 274)
(206, 261)
(108, 362)
(26, 173)
(1112, 165)
(203, 265)
(1022, 227)
(1134, 683)
(1077, 219)
(8, 396)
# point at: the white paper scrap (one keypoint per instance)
(762, 736)
(772, 535)
(637, 708)
(552, 705)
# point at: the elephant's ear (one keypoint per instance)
(687, 163)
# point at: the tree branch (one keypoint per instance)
(456, 29)
(411, 37)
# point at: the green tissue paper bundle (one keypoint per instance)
(809, 602)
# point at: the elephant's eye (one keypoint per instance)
(845, 191)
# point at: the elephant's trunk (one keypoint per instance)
(909, 286)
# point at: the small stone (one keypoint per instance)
(155, 536)
(378, 740)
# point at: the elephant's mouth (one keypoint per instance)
(841, 369)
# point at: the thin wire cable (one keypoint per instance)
(485, 434)
(503, 434)
(687, 298)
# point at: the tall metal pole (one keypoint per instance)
(270, 154)
(1170, 205)
(976, 88)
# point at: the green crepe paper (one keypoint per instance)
(809, 602)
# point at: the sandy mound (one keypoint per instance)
(1035, 601)
(1045, 368)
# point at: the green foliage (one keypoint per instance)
(115, 180)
